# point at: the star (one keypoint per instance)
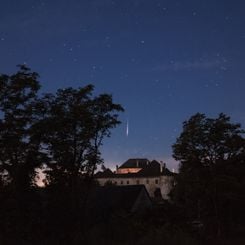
(115, 45)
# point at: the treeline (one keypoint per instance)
(61, 134)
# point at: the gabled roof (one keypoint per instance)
(135, 163)
(105, 174)
(167, 172)
(108, 200)
(151, 169)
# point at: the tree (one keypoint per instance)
(20, 154)
(62, 133)
(74, 126)
(212, 165)
(19, 146)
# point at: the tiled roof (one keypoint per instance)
(135, 163)
(107, 173)
(152, 169)
(110, 199)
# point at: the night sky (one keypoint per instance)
(162, 60)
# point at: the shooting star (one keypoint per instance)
(127, 129)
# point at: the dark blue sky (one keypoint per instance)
(162, 60)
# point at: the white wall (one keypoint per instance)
(151, 183)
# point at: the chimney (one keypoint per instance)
(162, 166)
(116, 168)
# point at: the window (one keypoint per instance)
(121, 182)
(127, 182)
(147, 181)
(156, 181)
(137, 182)
(115, 182)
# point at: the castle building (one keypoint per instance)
(156, 178)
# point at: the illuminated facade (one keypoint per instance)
(157, 179)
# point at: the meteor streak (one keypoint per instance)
(127, 129)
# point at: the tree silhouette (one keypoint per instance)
(62, 133)
(74, 126)
(19, 146)
(211, 154)
(20, 155)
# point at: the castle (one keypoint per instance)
(156, 178)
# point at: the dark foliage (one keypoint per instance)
(210, 185)
(62, 134)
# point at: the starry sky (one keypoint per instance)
(162, 60)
